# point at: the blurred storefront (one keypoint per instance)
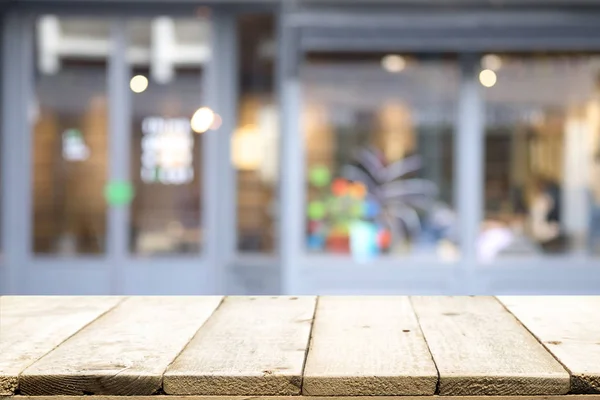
(304, 146)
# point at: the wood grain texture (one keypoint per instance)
(479, 348)
(124, 352)
(250, 346)
(164, 397)
(32, 326)
(569, 327)
(367, 346)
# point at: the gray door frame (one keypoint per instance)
(322, 28)
(117, 271)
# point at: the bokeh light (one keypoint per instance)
(488, 78)
(217, 122)
(138, 84)
(320, 176)
(491, 61)
(339, 187)
(393, 63)
(202, 120)
(316, 210)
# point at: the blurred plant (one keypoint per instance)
(337, 204)
(370, 189)
(404, 200)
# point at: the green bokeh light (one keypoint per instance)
(320, 176)
(118, 193)
(316, 210)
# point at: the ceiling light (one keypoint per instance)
(393, 63)
(138, 84)
(202, 120)
(491, 61)
(488, 78)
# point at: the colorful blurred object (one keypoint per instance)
(401, 199)
(384, 239)
(339, 187)
(338, 244)
(118, 193)
(316, 242)
(357, 190)
(320, 176)
(363, 241)
(370, 208)
(316, 210)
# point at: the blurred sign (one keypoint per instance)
(73, 146)
(167, 151)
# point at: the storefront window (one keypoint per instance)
(167, 58)
(255, 142)
(69, 121)
(542, 156)
(379, 137)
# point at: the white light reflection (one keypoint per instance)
(491, 61)
(202, 120)
(393, 63)
(488, 78)
(138, 84)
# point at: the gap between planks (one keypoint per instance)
(300, 397)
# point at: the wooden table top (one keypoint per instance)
(308, 346)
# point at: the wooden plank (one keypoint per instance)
(479, 348)
(164, 397)
(367, 346)
(251, 346)
(301, 397)
(31, 326)
(569, 327)
(124, 352)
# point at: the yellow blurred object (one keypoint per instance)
(393, 63)
(247, 148)
(138, 84)
(488, 78)
(491, 61)
(202, 120)
(358, 190)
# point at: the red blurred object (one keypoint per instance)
(339, 187)
(338, 244)
(384, 239)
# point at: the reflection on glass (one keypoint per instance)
(254, 144)
(167, 57)
(69, 122)
(542, 179)
(379, 138)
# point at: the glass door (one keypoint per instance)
(119, 165)
(172, 129)
(67, 145)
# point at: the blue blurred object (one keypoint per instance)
(372, 208)
(363, 241)
(316, 242)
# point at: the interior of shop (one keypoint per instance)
(70, 141)
(542, 142)
(541, 151)
(394, 113)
